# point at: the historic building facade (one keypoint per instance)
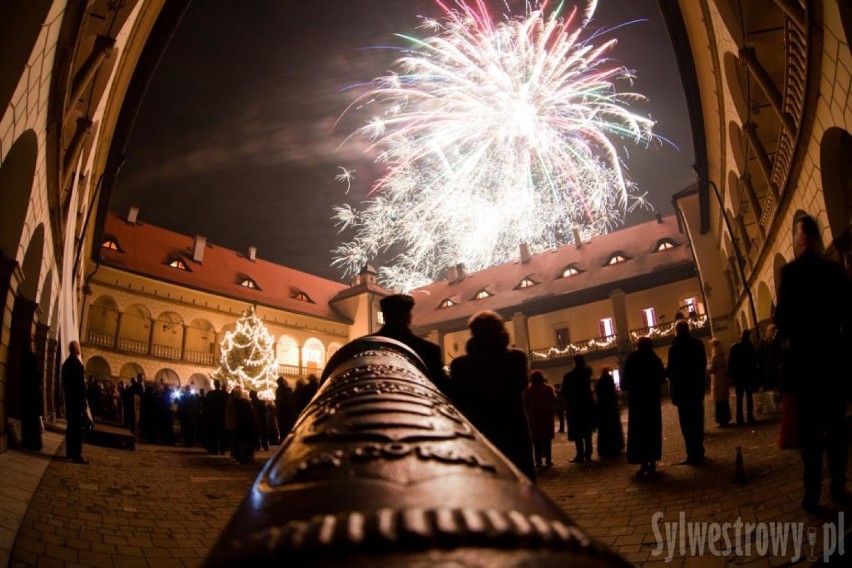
(768, 87)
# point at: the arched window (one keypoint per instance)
(249, 283)
(179, 264)
(570, 270)
(527, 282)
(302, 297)
(111, 244)
(664, 244)
(447, 303)
(482, 294)
(616, 258)
(313, 354)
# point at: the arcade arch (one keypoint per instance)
(98, 367)
(18, 37)
(17, 176)
(130, 370)
(167, 377)
(836, 168)
(764, 302)
(313, 355)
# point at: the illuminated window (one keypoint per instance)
(380, 317)
(691, 306)
(179, 264)
(482, 294)
(302, 297)
(616, 377)
(249, 283)
(526, 283)
(649, 317)
(110, 244)
(447, 303)
(570, 271)
(616, 259)
(606, 327)
(664, 245)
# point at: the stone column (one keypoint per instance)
(522, 332)
(41, 353)
(53, 386)
(10, 277)
(117, 330)
(618, 299)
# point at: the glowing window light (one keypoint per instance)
(447, 303)
(664, 245)
(616, 259)
(527, 282)
(570, 271)
(179, 264)
(110, 244)
(249, 283)
(482, 294)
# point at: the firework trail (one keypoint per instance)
(493, 133)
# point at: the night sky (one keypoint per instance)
(235, 142)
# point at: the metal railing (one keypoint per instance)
(592, 345)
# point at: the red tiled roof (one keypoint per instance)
(637, 243)
(147, 250)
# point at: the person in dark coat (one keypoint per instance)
(74, 385)
(488, 385)
(259, 408)
(813, 315)
(644, 376)
(188, 415)
(285, 407)
(165, 419)
(301, 396)
(396, 310)
(743, 369)
(31, 399)
(245, 432)
(686, 372)
(93, 395)
(148, 414)
(136, 390)
(214, 410)
(610, 435)
(539, 404)
(579, 408)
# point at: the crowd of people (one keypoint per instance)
(514, 407)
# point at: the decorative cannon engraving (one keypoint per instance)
(381, 469)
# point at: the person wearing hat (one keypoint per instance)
(396, 309)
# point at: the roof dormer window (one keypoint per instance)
(527, 282)
(302, 297)
(447, 303)
(179, 264)
(570, 270)
(664, 244)
(111, 244)
(617, 258)
(482, 294)
(249, 283)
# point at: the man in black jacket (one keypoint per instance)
(686, 368)
(74, 384)
(813, 314)
(397, 313)
(742, 367)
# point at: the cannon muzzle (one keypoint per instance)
(381, 469)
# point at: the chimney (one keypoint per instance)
(252, 254)
(452, 274)
(460, 270)
(525, 253)
(659, 217)
(578, 240)
(198, 251)
(132, 215)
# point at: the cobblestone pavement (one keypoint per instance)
(164, 506)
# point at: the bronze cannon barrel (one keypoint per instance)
(382, 469)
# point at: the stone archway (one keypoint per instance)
(836, 167)
(17, 175)
(18, 36)
(764, 303)
(99, 368)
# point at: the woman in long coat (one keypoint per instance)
(488, 385)
(720, 387)
(610, 435)
(579, 408)
(644, 374)
(539, 403)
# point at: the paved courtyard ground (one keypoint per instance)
(164, 506)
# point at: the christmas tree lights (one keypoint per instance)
(248, 357)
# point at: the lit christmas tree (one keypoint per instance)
(248, 357)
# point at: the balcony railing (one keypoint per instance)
(199, 357)
(592, 345)
(296, 371)
(101, 339)
(132, 346)
(598, 344)
(668, 329)
(165, 352)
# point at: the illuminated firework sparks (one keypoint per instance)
(345, 176)
(493, 134)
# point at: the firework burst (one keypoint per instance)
(493, 133)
